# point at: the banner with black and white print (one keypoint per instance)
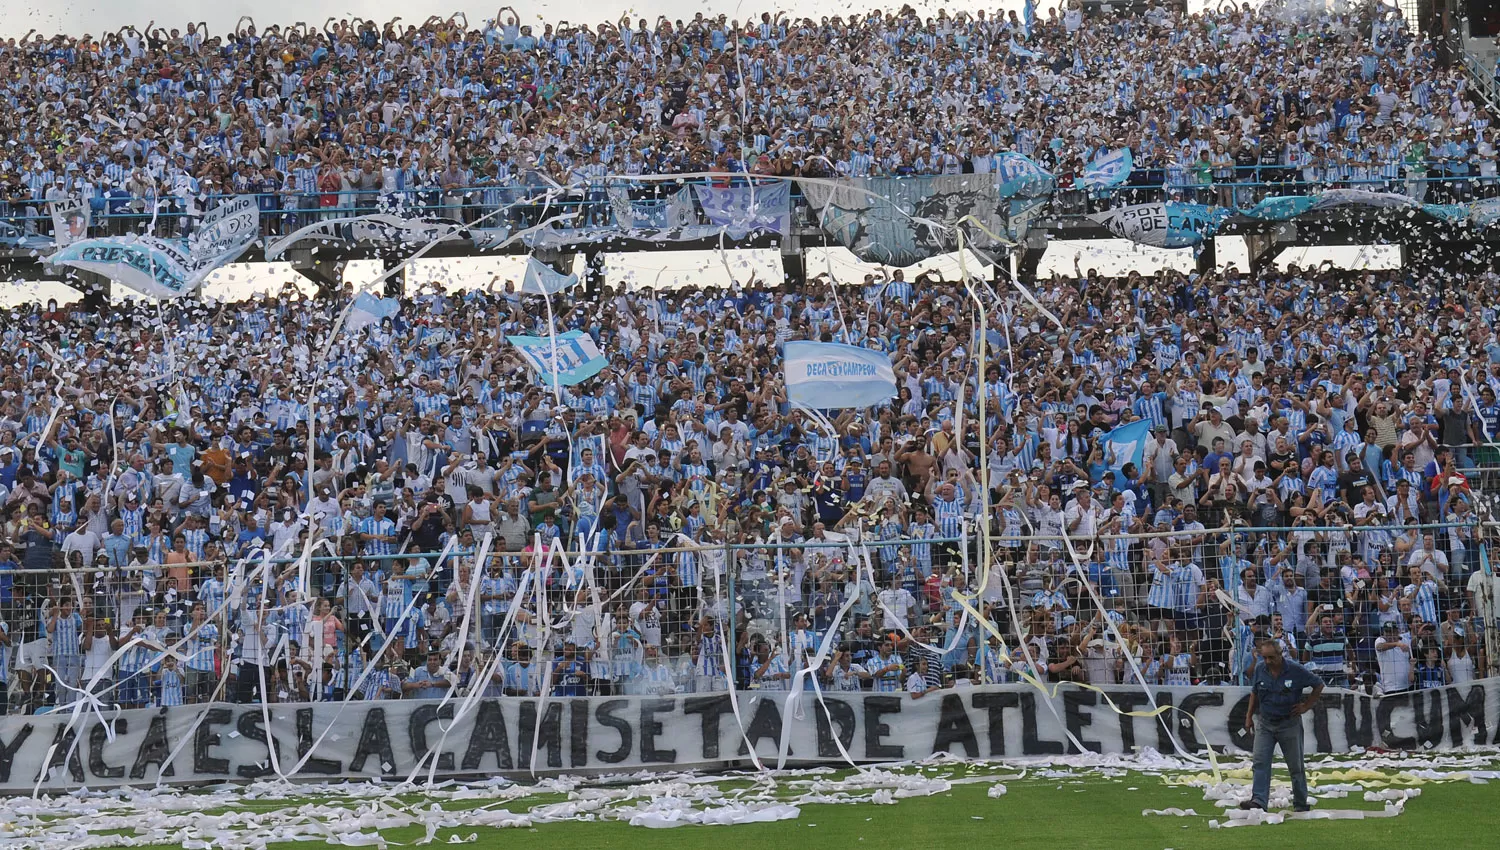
(70, 220)
(902, 220)
(377, 230)
(520, 736)
(164, 268)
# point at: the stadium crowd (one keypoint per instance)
(461, 118)
(154, 460)
(234, 501)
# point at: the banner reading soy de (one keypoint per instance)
(1163, 225)
(521, 736)
(828, 375)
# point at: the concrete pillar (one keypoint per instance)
(1262, 248)
(593, 273)
(1207, 256)
(793, 268)
(96, 290)
(395, 285)
(327, 273)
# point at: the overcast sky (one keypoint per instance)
(94, 16)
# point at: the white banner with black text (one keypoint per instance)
(519, 736)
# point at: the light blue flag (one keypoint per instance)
(742, 210)
(576, 358)
(1018, 50)
(1109, 170)
(1020, 176)
(1127, 444)
(541, 279)
(828, 375)
(370, 310)
(1484, 213)
(1163, 225)
(1447, 212)
(1028, 18)
(1281, 208)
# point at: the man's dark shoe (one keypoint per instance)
(1252, 804)
(1302, 807)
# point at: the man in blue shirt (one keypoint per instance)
(1274, 715)
(427, 682)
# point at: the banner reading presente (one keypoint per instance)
(164, 268)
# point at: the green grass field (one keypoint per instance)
(1036, 813)
(1084, 810)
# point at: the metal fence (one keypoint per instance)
(1433, 181)
(1179, 606)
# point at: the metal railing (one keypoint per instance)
(1482, 77)
(1040, 595)
(1435, 181)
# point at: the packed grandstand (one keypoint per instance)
(1225, 105)
(251, 502)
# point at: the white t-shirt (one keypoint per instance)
(1434, 563)
(1486, 591)
(1461, 669)
(896, 605)
(585, 620)
(1049, 524)
(1087, 518)
(84, 541)
(647, 617)
(324, 507)
(1100, 664)
(1395, 666)
(95, 658)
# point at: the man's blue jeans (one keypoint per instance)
(1286, 734)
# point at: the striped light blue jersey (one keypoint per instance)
(65, 636)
